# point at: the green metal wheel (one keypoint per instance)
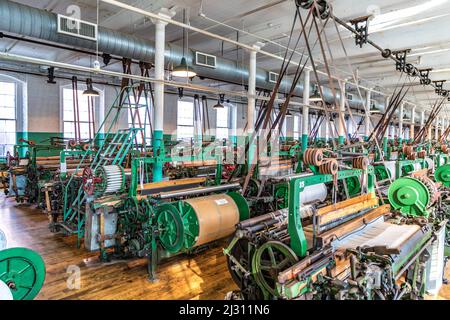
(191, 224)
(410, 196)
(442, 174)
(241, 203)
(281, 196)
(252, 188)
(353, 185)
(170, 227)
(382, 173)
(408, 169)
(268, 261)
(23, 271)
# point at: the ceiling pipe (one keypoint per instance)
(36, 23)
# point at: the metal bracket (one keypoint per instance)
(401, 57)
(425, 76)
(439, 86)
(361, 26)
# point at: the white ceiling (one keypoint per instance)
(421, 25)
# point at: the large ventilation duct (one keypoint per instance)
(36, 23)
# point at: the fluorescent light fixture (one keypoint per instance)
(388, 19)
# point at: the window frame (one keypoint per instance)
(14, 119)
(97, 105)
(185, 137)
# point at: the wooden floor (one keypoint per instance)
(204, 276)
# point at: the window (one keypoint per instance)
(7, 117)
(222, 123)
(144, 116)
(296, 127)
(86, 118)
(185, 120)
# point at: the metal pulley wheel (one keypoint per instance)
(361, 163)
(170, 227)
(23, 271)
(421, 154)
(313, 157)
(268, 261)
(252, 188)
(72, 144)
(323, 9)
(410, 196)
(407, 150)
(304, 4)
(329, 167)
(412, 156)
(442, 174)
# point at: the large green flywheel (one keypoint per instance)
(23, 271)
(170, 227)
(442, 174)
(410, 196)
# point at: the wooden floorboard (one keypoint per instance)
(203, 276)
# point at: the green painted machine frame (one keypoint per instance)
(297, 185)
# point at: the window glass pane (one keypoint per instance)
(185, 113)
(83, 114)
(7, 116)
(69, 131)
(185, 120)
(184, 132)
(8, 100)
(8, 88)
(296, 127)
(222, 118)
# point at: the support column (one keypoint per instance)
(400, 123)
(413, 124)
(306, 95)
(158, 133)
(251, 103)
(367, 116)
(341, 127)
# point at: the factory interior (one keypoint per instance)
(235, 150)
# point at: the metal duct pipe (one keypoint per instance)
(36, 23)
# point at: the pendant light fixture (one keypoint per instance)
(316, 95)
(90, 92)
(220, 102)
(183, 70)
